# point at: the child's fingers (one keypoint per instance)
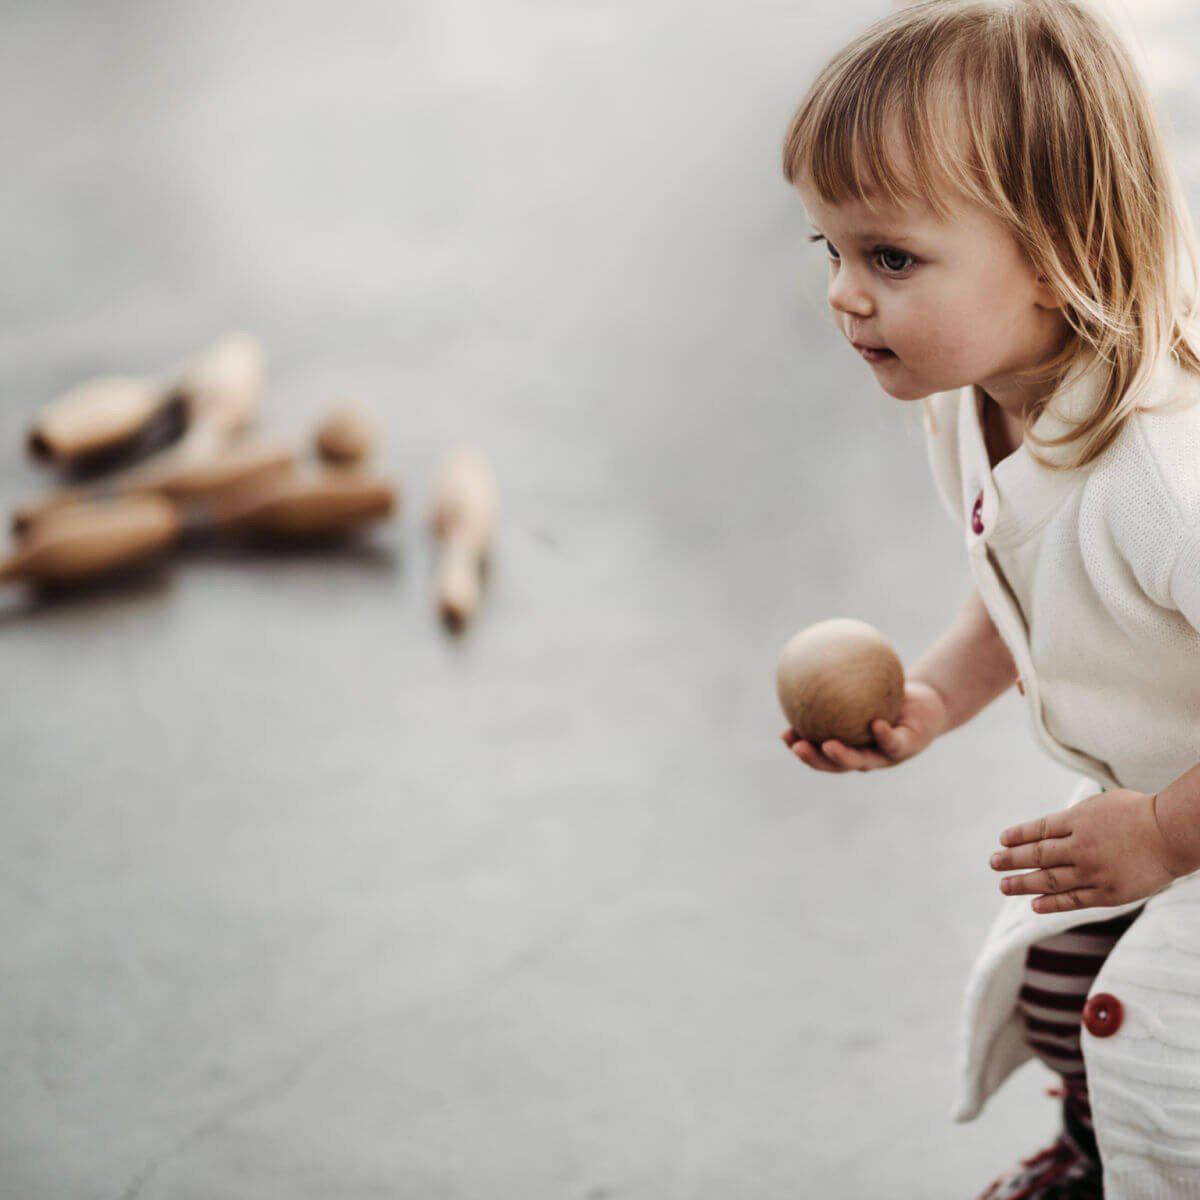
(1054, 826)
(811, 756)
(1053, 852)
(1035, 883)
(854, 758)
(807, 753)
(1068, 901)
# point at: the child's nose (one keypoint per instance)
(848, 297)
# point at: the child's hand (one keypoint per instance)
(922, 718)
(1104, 851)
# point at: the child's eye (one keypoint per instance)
(880, 252)
(883, 251)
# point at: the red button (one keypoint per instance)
(1103, 1014)
(976, 519)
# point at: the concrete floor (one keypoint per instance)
(303, 898)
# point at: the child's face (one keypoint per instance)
(956, 302)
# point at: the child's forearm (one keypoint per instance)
(969, 665)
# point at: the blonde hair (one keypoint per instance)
(1056, 137)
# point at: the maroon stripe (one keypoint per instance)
(1052, 999)
(1062, 1029)
(1055, 1049)
(1063, 962)
(1069, 1049)
(1112, 925)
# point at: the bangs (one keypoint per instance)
(888, 118)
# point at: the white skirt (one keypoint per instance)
(1144, 1078)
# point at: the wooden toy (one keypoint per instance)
(464, 512)
(98, 415)
(220, 386)
(836, 677)
(223, 385)
(297, 505)
(346, 435)
(85, 540)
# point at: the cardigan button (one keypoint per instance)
(976, 518)
(1103, 1014)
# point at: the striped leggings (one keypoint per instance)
(1059, 971)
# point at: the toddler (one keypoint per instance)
(1005, 240)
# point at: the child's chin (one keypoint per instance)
(898, 391)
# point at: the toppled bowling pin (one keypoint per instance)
(301, 505)
(99, 415)
(218, 389)
(88, 539)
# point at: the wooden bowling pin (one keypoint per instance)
(96, 416)
(223, 385)
(299, 505)
(465, 506)
(346, 436)
(86, 540)
(220, 385)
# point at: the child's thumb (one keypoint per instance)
(892, 739)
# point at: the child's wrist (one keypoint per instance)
(1176, 810)
(941, 720)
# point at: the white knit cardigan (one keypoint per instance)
(1092, 578)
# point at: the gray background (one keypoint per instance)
(301, 897)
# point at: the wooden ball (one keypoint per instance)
(346, 435)
(836, 677)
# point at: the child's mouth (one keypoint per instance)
(875, 355)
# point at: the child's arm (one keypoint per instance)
(962, 672)
(968, 666)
